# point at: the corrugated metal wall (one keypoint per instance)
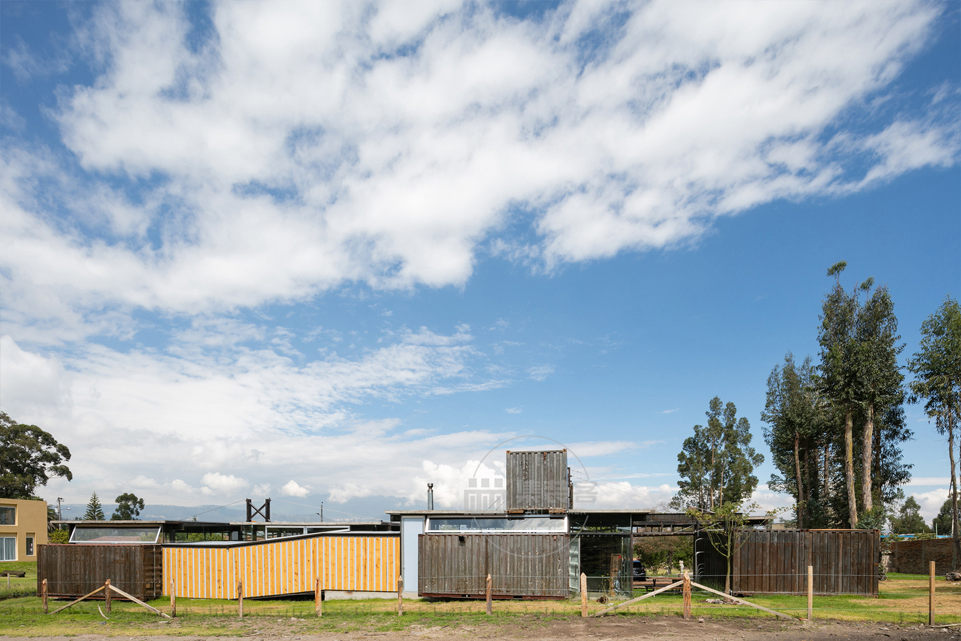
(520, 565)
(537, 480)
(775, 562)
(75, 570)
(364, 563)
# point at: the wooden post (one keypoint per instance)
(318, 598)
(106, 595)
(43, 595)
(400, 595)
(583, 594)
(931, 593)
(686, 591)
(173, 597)
(810, 593)
(240, 598)
(489, 590)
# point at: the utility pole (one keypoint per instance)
(59, 509)
(321, 513)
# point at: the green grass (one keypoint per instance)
(903, 600)
(16, 586)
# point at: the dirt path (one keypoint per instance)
(670, 628)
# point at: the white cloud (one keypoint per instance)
(293, 488)
(540, 372)
(217, 483)
(384, 144)
(513, 410)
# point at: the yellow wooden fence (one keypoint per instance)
(366, 563)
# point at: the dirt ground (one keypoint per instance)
(671, 628)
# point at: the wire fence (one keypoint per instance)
(909, 600)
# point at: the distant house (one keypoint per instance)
(23, 526)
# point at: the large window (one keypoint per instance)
(8, 515)
(8, 548)
(115, 534)
(496, 524)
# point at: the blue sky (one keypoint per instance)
(321, 251)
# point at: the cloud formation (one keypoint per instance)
(279, 152)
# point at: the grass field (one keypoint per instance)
(15, 586)
(903, 600)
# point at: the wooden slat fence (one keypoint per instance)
(347, 562)
(74, 570)
(775, 562)
(520, 565)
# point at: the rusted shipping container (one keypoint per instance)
(520, 565)
(75, 570)
(538, 480)
(368, 562)
(776, 562)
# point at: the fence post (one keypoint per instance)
(583, 594)
(240, 599)
(173, 597)
(400, 595)
(686, 590)
(106, 595)
(489, 590)
(810, 592)
(43, 595)
(931, 593)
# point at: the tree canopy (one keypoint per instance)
(716, 464)
(128, 507)
(908, 519)
(29, 457)
(937, 370)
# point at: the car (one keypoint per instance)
(640, 574)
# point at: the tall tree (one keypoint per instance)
(941, 524)
(128, 507)
(879, 378)
(716, 464)
(838, 371)
(937, 370)
(795, 434)
(908, 520)
(94, 509)
(29, 457)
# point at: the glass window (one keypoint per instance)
(8, 548)
(30, 544)
(115, 534)
(8, 515)
(502, 524)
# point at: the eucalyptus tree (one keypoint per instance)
(29, 457)
(879, 377)
(838, 372)
(716, 464)
(794, 413)
(937, 370)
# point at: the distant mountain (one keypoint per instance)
(370, 508)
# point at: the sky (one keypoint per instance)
(331, 252)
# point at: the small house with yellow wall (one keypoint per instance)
(23, 526)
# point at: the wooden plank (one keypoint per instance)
(137, 601)
(742, 601)
(641, 598)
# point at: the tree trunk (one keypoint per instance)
(826, 490)
(800, 483)
(867, 460)
(955, 532)
(849, 469)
